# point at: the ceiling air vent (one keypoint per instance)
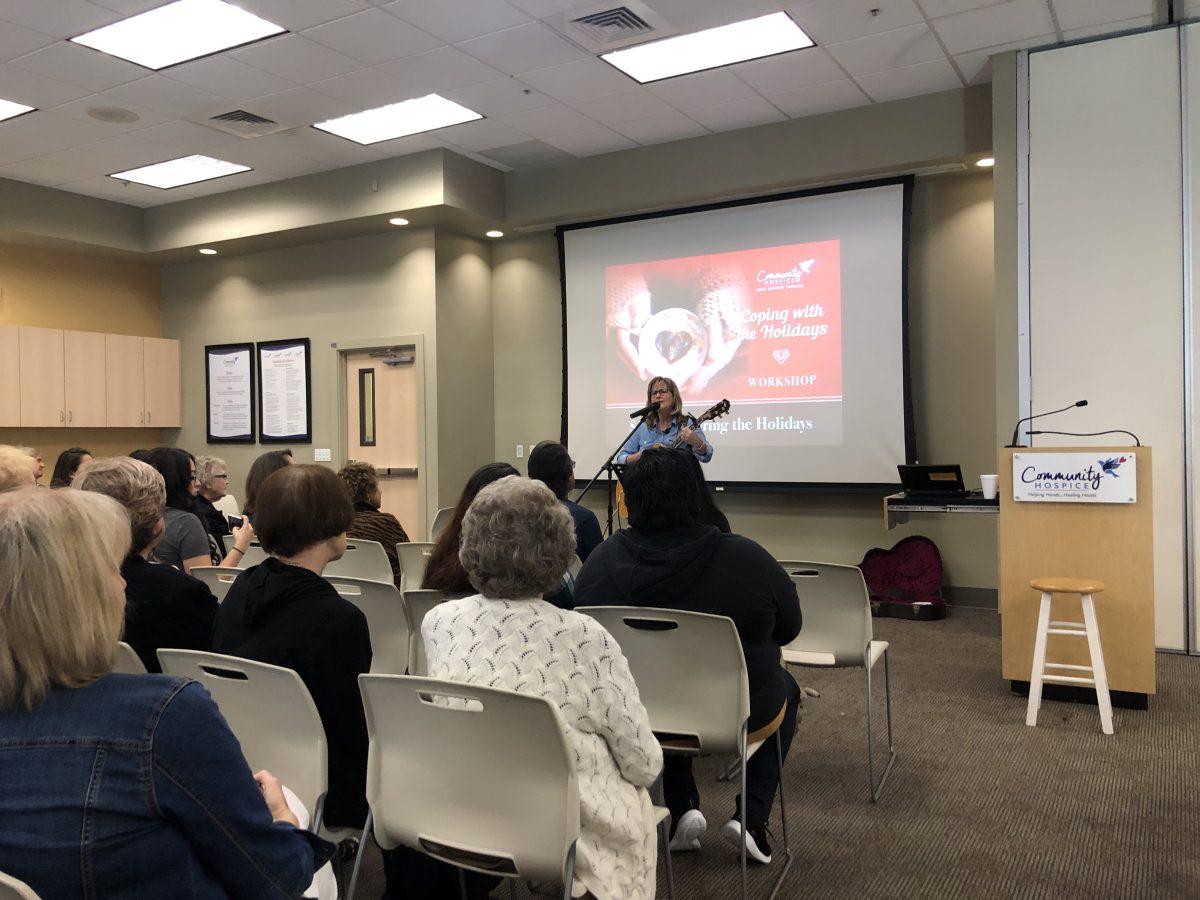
(607, 26)
(613, 25)
(244, 124)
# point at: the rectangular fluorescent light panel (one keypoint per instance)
(178, 172)
(8, 109)
(399, 119)
(177, 32)
(722, 46)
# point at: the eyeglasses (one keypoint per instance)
(660, 391)
(222, 475)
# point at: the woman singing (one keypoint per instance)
(664, 426)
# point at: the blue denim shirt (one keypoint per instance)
(647, 435)
(134, 787)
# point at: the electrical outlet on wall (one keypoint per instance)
(322, 454)
(520, 450)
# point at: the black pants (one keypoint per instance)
(762, 772)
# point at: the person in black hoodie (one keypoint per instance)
(668, 559)
(284, 613)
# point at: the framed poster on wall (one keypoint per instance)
(284, 392)
(229, 390)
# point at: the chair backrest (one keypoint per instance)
(14, 889)
(218, 578)
(414, 556)
(269, 710)
(254, 553)
(386, 620)
(229, 506)
(836, 610)
(417, 603)
(440, 521)
(128, 662)
(478, 777)
(362, 559)
(690, 673)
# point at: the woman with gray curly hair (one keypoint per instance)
(517, 541)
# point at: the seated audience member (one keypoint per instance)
(213, 483)
(666, 558)
(186, 542)
(550, 463)
(39, 465)
(68, 465)
(265, 465)
(163, 606)
(117, 785)
(16, 468)
(369, 523)
(517, 540)
(710, 513)
(444, 572)
(284, 613)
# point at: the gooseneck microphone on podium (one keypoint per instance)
(1017, 427)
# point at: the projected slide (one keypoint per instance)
(758, 327)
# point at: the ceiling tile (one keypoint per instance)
(373, 37)
(110, 189)
(36, 171)
(128, 7)
(189, 136)
(228, 78)
(1075, 14)
(297, 59)
(674, 126)
(58, 18)
(790, 71)
(736, 114)
(300, 106)
(296, 15)
(592, 142)
(80, 65)
(822, 98)
(78, 109)
(457, 20)
(44, 132)
(1109, 28)
(522, 49)
(579, 79)
(887, 50)
(702, 89)
(23, 86)
(831, 21)
(366, 88)
(993, 25)
(624, 106)
(274, 153)
(17, 41)
(482, 135)
(527, 153)
(413, 143)
(976, 66)
(550, 121)
(114, 154)
(173, 98)
(696, 15)
(936, 8)
(539, 9)
(500, 98)
(438, 71)
(324, 146)
(911, 81)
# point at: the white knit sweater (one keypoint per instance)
(531, 647)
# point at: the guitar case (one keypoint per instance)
(905, 582)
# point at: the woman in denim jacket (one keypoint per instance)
(117, 786)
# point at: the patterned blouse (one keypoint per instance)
(372, 525)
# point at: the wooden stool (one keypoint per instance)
(1084, 587)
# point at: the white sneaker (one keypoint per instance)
(757, 848)
(691, 825)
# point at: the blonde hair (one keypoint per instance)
(61, 607)
(16, 468)
(676, 399)
(137, 486)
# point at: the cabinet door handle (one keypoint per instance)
(70, 416)
(147, 417)
(141, 418)
(60, 416)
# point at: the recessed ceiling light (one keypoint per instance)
(177, 172)
(208, 251)
(398, 221)
(399, 119)
(708, 49)
(10, 110)
(179, 31)
(495, 233)
(986, 163)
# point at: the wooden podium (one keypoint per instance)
(1113, 542)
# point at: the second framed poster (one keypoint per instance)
(284, 392)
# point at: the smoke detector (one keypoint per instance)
(115, 115)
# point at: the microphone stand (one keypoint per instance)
(607, 467)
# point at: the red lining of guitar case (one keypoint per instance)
(908, 574)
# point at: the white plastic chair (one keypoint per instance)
(128, 662)
(416, 605)
(837, 633)
(440, 521)
(272, 714)
(413, 556)
(15, 889)
(218, 578)
(253, 556)
(362, 559)
(229, 506)
(691, 675)
(386, 620)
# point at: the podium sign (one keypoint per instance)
(1109, 476)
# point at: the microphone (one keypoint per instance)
(648, 408)
(1017, 427)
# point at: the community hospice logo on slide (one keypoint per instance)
(1075, 477)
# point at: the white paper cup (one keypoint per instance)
(991, 485)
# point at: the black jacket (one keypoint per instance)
(214, 521)
(699, 569)
(290, 617)
(165, 608)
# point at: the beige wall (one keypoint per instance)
(953, 347)
(61, 288)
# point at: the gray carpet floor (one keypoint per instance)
(978, 804)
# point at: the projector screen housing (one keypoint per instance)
(793, 306)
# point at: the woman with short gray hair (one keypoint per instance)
(517, 541)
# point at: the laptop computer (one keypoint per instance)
(934, 482)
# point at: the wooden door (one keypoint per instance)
(124, 389)
(85, 395)
(161, 367)
(10, 376)
(42, 378)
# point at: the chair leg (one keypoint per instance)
(730, 771)
(664, 841)
(745, 825)
(462, 884)
(362, 846)
(787, 847)
(1039, 662)
(877, 786)
(1099, 674)
(569, 875)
